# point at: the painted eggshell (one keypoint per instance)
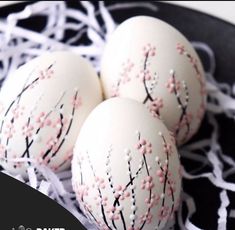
(150, 61)
(43, 105)
(125, 169)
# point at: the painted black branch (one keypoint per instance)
(128, 184)
(165, 178)
(67, 131)
(132, 190)
(111, 186)
(27, 143)
(38, 130)
(18, 97)
(172, 193)
(148, 96)
(12, 119)
(81, 182)
(13, 102)
(150, 191)
(183, 109)
(81, 177)
(100, 194)
(57, 137)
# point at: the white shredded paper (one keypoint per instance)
(18, 45)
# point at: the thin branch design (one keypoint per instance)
(100, 194)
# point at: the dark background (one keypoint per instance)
(220, 36)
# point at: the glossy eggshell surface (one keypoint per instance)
(148, 60)
(125, 169)
(43, 105)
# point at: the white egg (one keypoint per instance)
(43, 105)
(125, 169)
(148, 60)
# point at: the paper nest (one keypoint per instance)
(18, 45)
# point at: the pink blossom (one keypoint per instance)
(125, 73)
(172, 135)
(9, 130)
(180, 48)
(100, 183)
(167, 148)
(149, 50)
(144, 75)
(46, 73)
(77, 102)
(155, 106)
(172, 85)
(52, 143)
(187, 119)
(40, 119)
(18, 111)
(149, 218)
(48, 122)
(27, 130)
(161, 175)
(163, 212)
(82, 190)
(147, 183)
(115, 91)
(144, 147)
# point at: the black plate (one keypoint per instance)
(219, 35)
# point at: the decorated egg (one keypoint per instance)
(125, 168)
(148, 60)
(42, 107)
